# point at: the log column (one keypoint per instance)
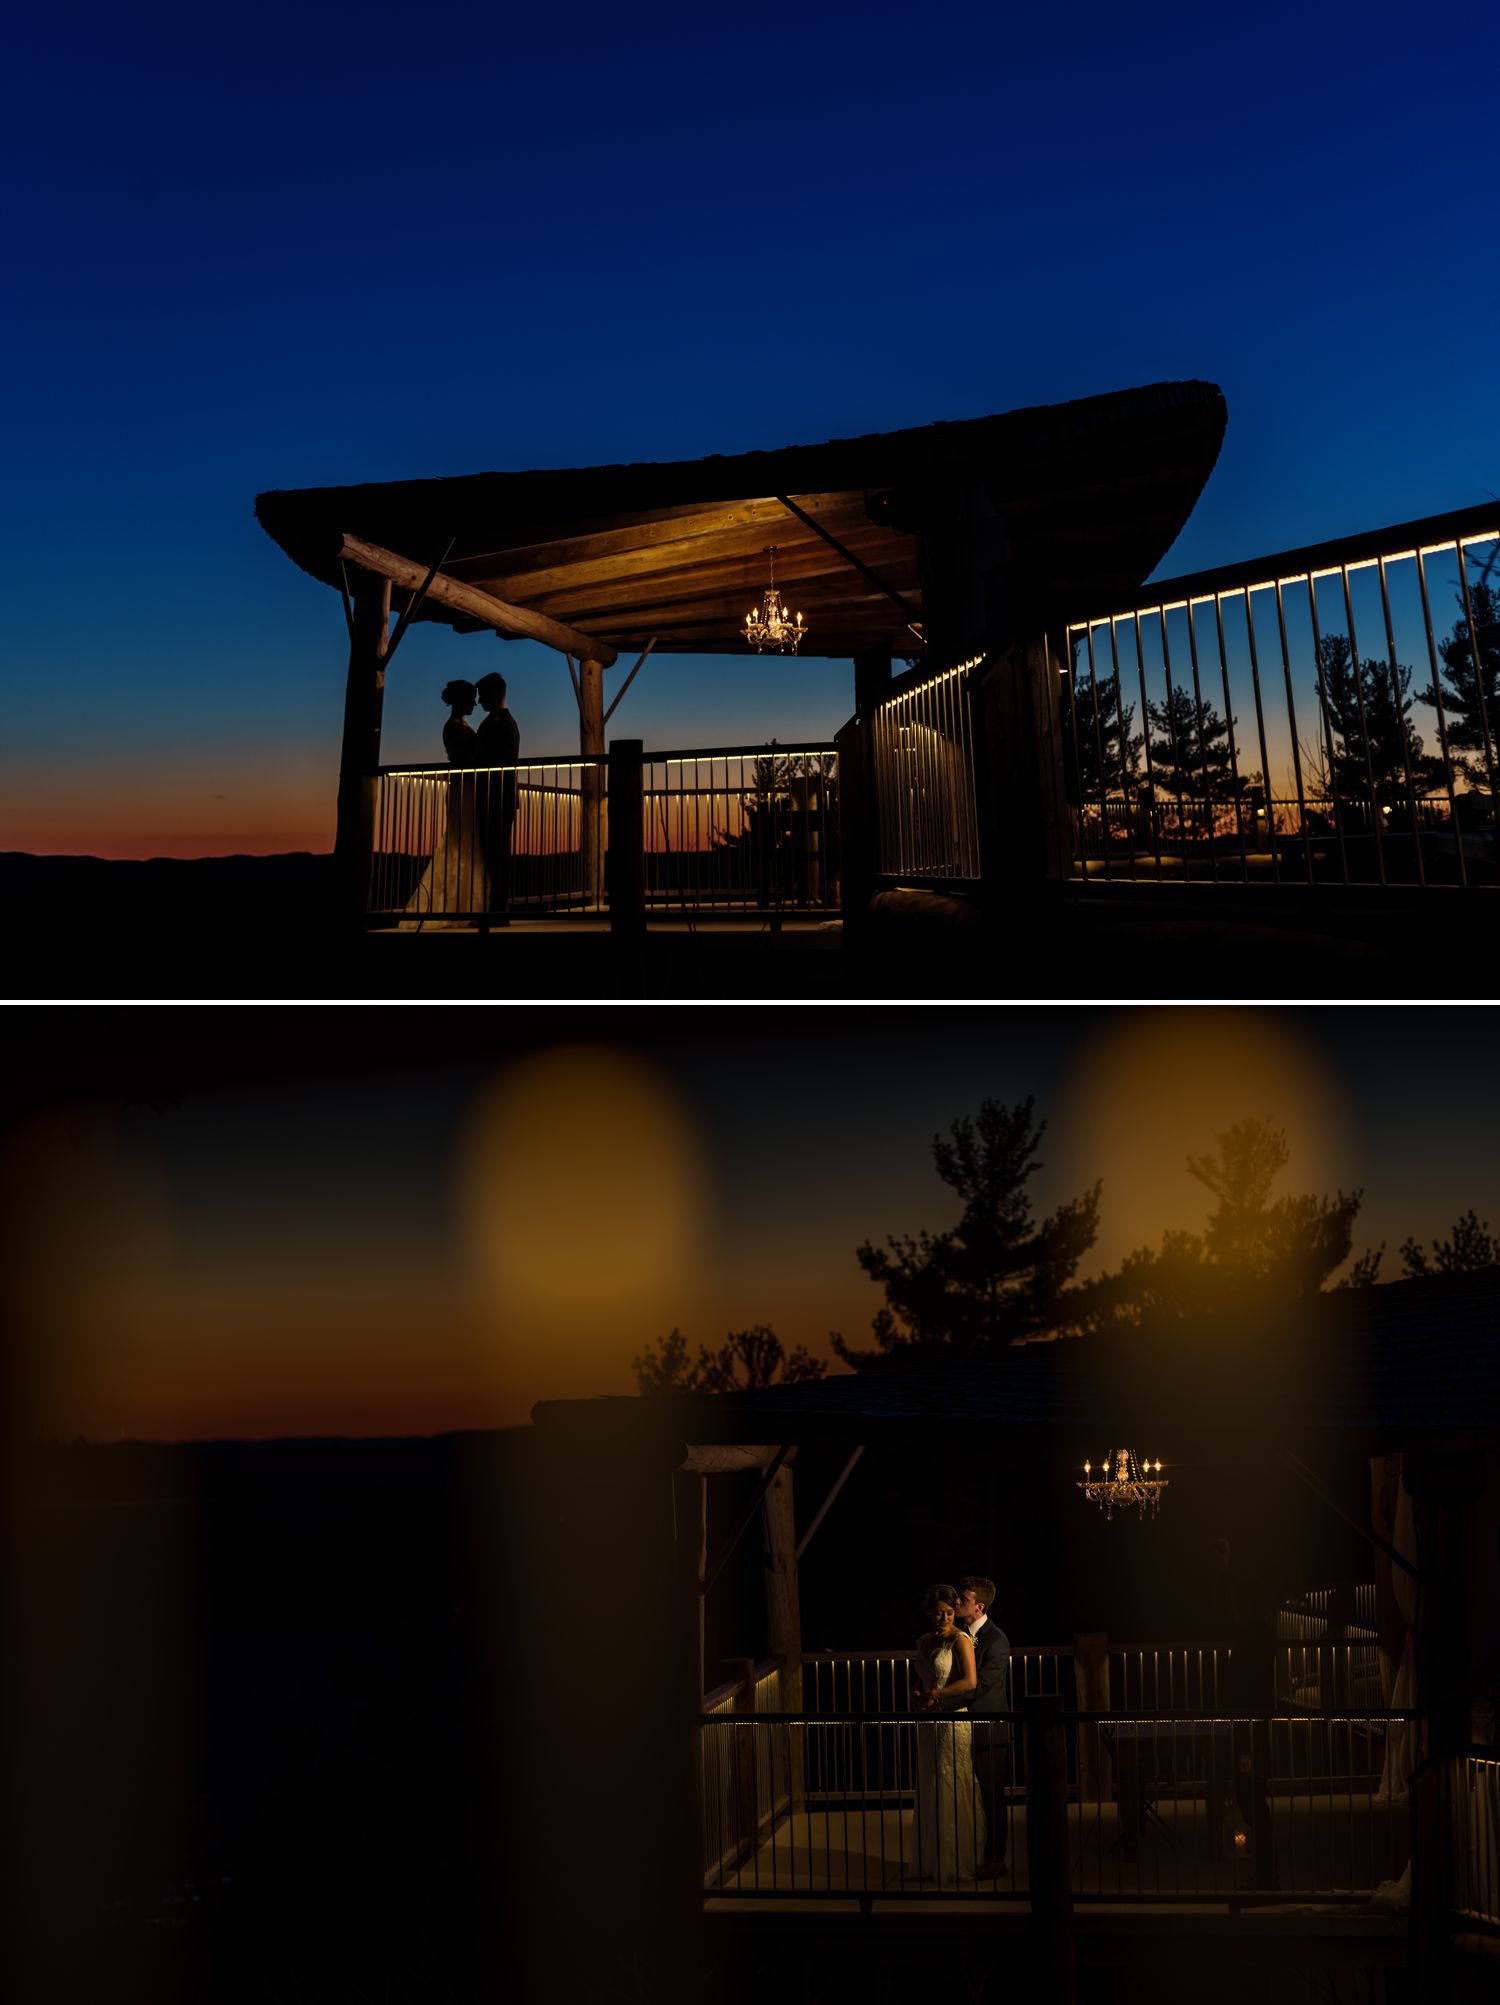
(859, 826)
(591, 746)
(1048, 1850)
(359, 758)
(784, 1618)
(1023, 833)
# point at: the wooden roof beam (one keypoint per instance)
(703, 546)
(473, 604)
(584, 542)
(801, 564)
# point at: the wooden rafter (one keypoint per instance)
(850, 557)
(474, 604)
(584, 542)
(646, 560)
(711, 577)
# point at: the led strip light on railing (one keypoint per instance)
(931, 682)
(457, 772)
(1291, 578)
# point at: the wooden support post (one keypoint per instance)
(591, 746)
(859, 826)
(1262, 1823)
(359, 757)
(1091, 1674)
(746, 1819)
(690, 1502)
(1048, 1861)
(784, 1613)
(1431, 1877)
(856, 858)
(1024, 838)
(1443, 1484)
(627, 840)
(872, 679)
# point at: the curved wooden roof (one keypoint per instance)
(1092, 495)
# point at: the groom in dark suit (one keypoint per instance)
(976, 1596)
(497, 742)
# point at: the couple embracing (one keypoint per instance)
(470, 868)
(962, 1664)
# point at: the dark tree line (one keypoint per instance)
(1370, 749)
(1001, 1276)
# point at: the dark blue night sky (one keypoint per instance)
(275, 247)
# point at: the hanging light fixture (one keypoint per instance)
(770, 624)
(1124, 1480)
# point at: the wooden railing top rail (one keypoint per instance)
(1432, 533)
(1049, 1713)
(705, 753)
(766, 1668)
(443, 769)
(1016, 1650)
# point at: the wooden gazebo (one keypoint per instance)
(620, 1493)
(924, 543)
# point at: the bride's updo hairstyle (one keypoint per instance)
(942, 1592)
(463, 694)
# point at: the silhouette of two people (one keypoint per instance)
(470, 873)
(497, 746)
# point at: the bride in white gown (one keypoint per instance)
(947, 1828)
(454, 880)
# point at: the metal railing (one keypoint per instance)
(444, 836)
(1143, 1678)
(1471, 1809)
(733, 829)
(1307, 1619)
(746, 1779)
(1224, 1808)
(836, 1683)
(1204, 1806)
(922, 746)
(1328, 715)
(742, 829)
(1166, 1678)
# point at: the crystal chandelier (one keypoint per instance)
(1132, 1482)
(770, 624)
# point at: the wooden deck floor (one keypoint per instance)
(1328, 1847)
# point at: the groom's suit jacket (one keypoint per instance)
(992, 1668)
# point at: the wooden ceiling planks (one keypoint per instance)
(611, 537)
(700, 569)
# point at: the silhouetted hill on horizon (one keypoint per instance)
(247, 927)
(111, 887)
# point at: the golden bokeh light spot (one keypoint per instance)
(1154, 1087)
(579, 1183)
(92, 1272)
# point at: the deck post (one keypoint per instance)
(359, 756)
(1431, 1870)
(1442, 1484)
(747, 1818)
(784, 1615)
(626, 874)
(591, 747)
(1048, 1852)
(1091, 1673)
(859, 828)
(690, 1509)
(1024, 845)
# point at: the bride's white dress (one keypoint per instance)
(455, 880)
(947, 1826)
